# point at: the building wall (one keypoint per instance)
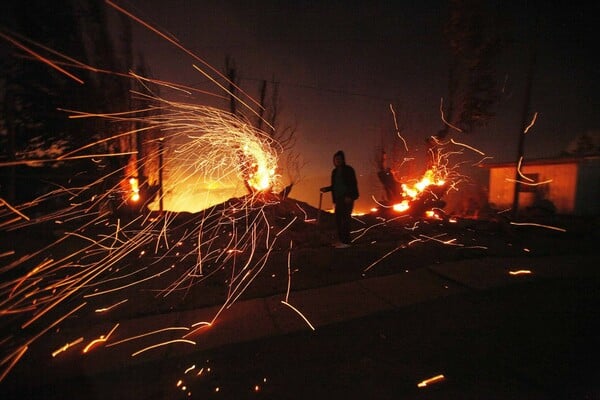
(560, 190)
(587, 201)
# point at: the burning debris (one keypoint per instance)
(417, 197)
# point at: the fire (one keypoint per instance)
(211, 156)
(401, 207)
(427, 180)
(261, 172)
(413, 191)
(135, 190)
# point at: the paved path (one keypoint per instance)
(375, 337)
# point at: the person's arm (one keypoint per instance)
(330, 187)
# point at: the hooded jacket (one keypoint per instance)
(350, 184)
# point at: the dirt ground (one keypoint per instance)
(375, 356)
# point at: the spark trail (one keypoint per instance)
(114, 256)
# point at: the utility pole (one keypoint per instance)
(160, 174)
(524, 123)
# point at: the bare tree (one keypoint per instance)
(267, 118)
(474, 39)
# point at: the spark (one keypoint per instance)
(555, 228)
(303, 212)
(13, 209)
(386, 255)
(430, 381)
(101, 339)
(104, 309)
(520, 272)
(204, 144)
(398, 129)
(519, 170)
(173, 328)
(67, 346)
(15, 356)
(529, 183)
(414, 227)
(467, 146)
(200, 325)
(194, 56)
(531, 123)
(446, 242)
(189, 369)
(444, 119)
(480, 162)
(162, 344)
(128, 285)
(41, 58)
(299, 313)
(13, 361)
(289, 281)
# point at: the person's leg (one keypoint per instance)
(339, 221)
(346, 219)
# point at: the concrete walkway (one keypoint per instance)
(263, 319)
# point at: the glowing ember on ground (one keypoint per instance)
(430, 381)
(520, 272)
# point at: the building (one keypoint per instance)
(570, 184)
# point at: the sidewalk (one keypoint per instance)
(375, 337)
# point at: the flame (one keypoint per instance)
(135, 190)
(411, 192)
(401, 207)
(427, 180)
(261, 171)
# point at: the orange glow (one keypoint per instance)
(135, 190)
(261, 171)
(427, 180)
(401, 207)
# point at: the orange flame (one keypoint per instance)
(135, 190)
(413, 191)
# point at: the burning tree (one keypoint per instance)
(266, 118)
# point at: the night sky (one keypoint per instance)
(340, 66)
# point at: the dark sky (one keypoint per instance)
(341, 65)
